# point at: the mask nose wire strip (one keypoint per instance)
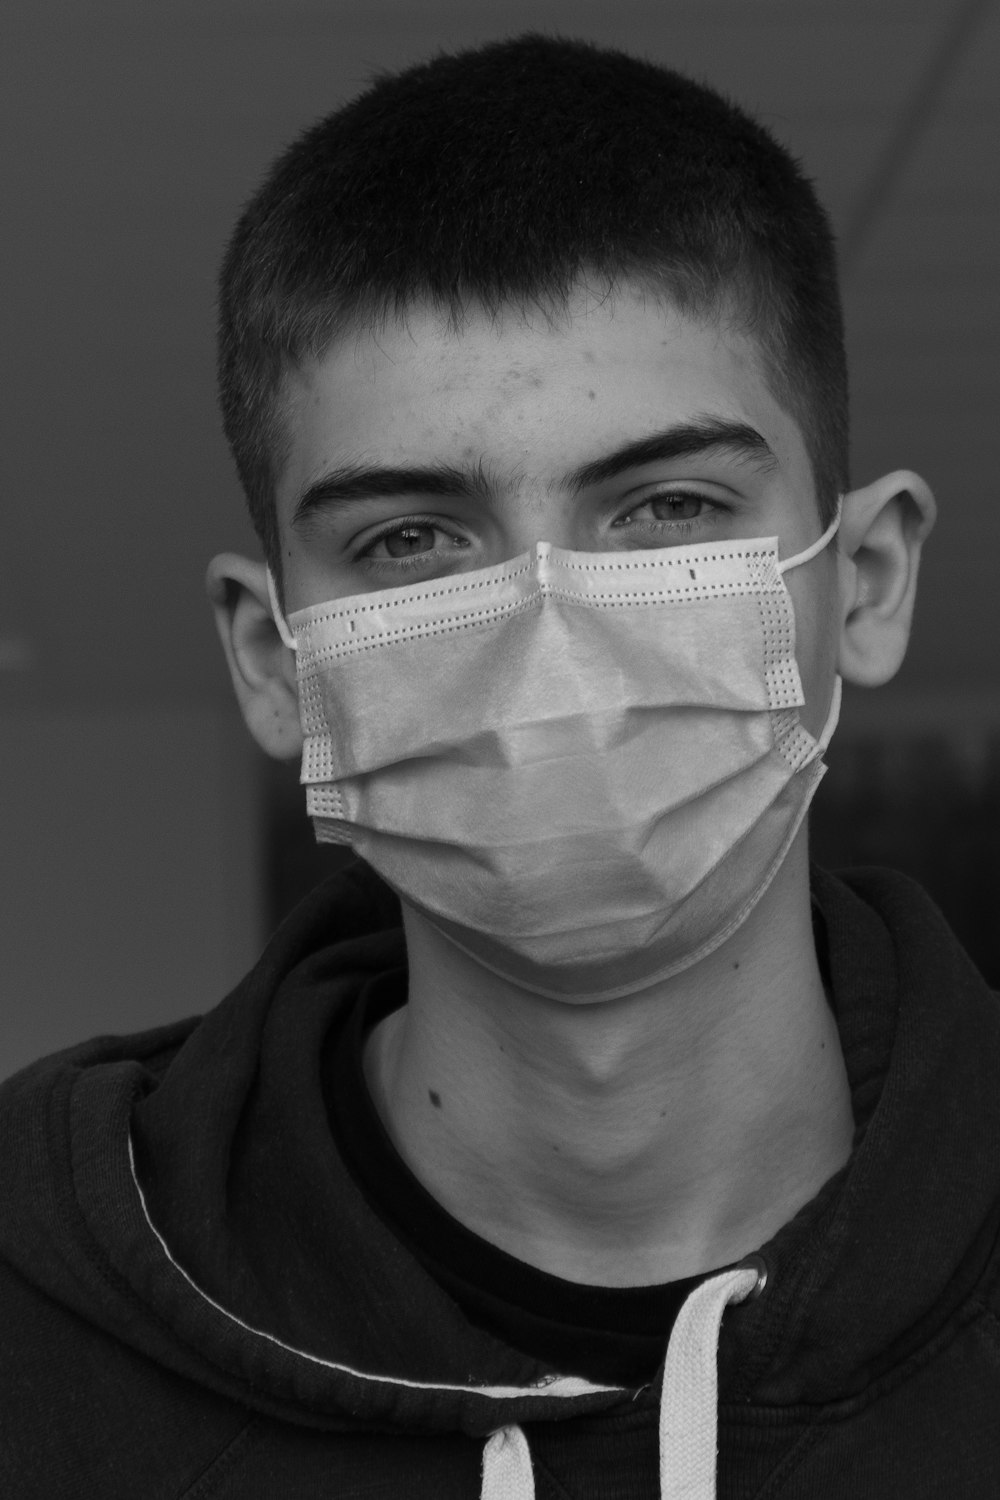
(507, 1472)
(689, 1419)
(280, 622)
(789, 562)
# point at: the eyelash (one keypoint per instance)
(420, 559)
(401, 564)
(683, 523)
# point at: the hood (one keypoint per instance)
(140, 1170)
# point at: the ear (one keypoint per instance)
(882, 531)
(261, 666)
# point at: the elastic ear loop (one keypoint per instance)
(832, 718)
(833, 713)
(281, 624)
(817, 546)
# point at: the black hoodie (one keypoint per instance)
(197, 1300)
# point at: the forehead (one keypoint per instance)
(531, 394)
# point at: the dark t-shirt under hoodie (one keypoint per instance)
(218, 1281)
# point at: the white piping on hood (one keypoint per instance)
(688, 1402)
(559, 1386)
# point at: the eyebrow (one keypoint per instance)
(353, 483)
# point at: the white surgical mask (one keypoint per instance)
(583, 768)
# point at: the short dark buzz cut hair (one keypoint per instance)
(504, 177)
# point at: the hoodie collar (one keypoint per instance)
(159, 1231)
(894, 1244)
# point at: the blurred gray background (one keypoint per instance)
(137, 825)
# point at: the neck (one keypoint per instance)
(625, 1142)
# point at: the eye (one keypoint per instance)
(403, 542)
(408, 540)
(670, 505)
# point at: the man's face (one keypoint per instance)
(422, 452)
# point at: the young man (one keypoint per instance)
(573, 1142)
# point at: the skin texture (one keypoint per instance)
(619, 1142)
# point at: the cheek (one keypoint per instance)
(817, 639)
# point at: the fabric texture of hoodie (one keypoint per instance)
(197, 1300)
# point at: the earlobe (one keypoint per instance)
(882, 532)
(262, 668)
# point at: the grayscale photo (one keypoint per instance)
(501, 751)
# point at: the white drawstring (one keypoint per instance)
(507, 1473)
(689, 1420)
